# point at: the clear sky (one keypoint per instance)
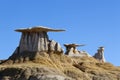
(91, 22)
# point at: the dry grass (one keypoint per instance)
(74, 67)
(60, 61)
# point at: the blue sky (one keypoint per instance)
(91, 22)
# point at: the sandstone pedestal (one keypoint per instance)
(34, 40)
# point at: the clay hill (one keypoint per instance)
(38, 58)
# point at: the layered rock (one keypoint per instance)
(72, 51)
(100, 54)
(33, 41)
(36, 40)
(42, 73)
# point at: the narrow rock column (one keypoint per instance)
(100, 54)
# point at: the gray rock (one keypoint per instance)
(58, 47)
(54, 46)
(44, 73)
(100, 54)
(35, 40)
(72, 51)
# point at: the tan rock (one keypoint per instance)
(38, 29)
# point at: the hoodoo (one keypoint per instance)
(35, 39)
(100, 54)
(71, 50)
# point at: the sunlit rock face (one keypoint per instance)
(54, 46)
(72, 51)
(36, 39)
(100, 54)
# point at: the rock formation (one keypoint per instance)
(35, 39)
(100, 54)
(72, 51)
(54, 46)
(34, 49)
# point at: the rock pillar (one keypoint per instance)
(100, 54)
(35, 40)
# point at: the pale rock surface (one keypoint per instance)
(55, 46)
(100, 54)
(44, 73)
(72, 51)
(35, 40)
(52, 45)
(58, 47)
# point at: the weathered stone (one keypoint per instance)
(72, 51)
(100, 54)
(54, 46)
(48, 77)
(35, 40)
(38, 29)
